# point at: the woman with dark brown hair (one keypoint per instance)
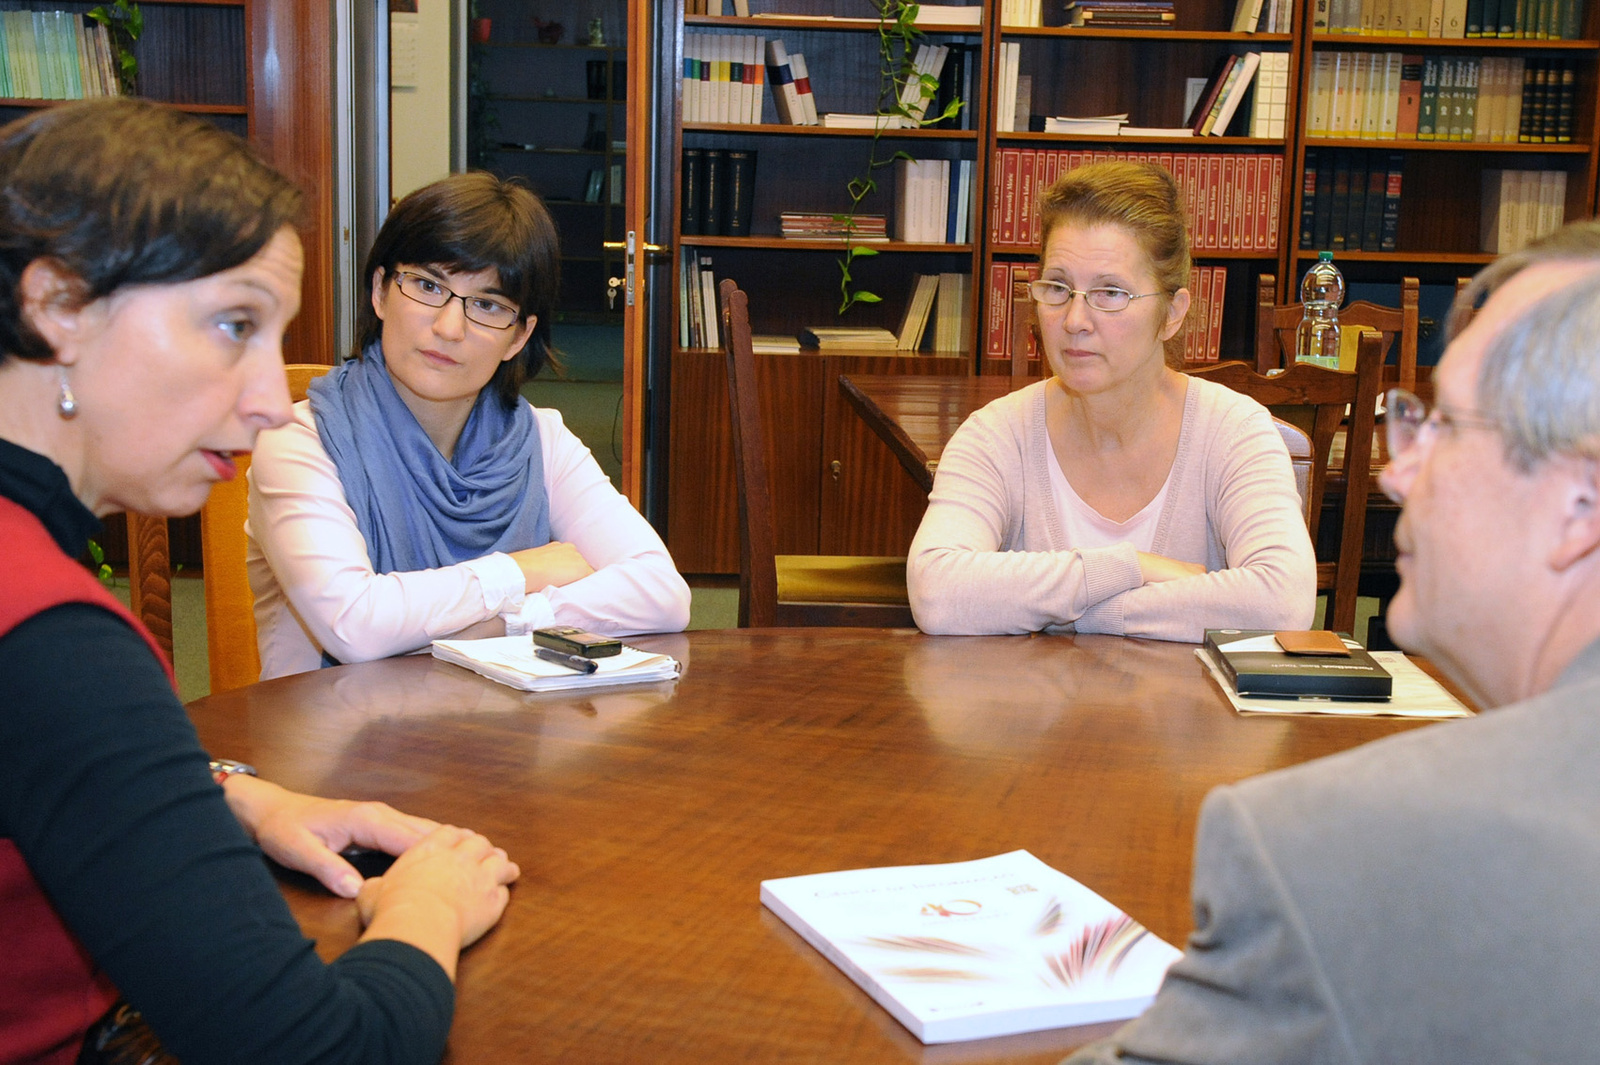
(148, 268)
(416, 495)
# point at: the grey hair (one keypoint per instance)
(1540, 377)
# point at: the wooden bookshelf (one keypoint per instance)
(793, 284)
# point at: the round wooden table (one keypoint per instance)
(644, 819)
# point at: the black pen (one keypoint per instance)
(577, 662)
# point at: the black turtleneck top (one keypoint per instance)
(105, 791)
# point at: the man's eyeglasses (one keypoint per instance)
(480, 309)
(1406, 418)
(1108, 299)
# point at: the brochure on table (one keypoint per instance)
(975, 949)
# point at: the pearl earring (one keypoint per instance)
(67, 405)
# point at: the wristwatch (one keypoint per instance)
(223, 768)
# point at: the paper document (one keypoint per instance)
(511, 661)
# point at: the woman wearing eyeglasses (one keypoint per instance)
(1120, 495)
(416, 495)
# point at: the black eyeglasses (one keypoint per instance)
(480, 309)
(1406, 418)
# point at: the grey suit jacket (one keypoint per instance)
(1434, 897)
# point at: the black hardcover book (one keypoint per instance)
(1308, 203)
(1564, 93)
(1341, 202)
(713, 206)
(741, 191)
(1525, 124)
(953, 85)
(693, 189)
(1372, 220)
(1356, 206)
(1389, 234)
(1507, 19)
(1475, 18)
(1255, 665)
(1322, 229)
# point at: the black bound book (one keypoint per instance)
(1322, 236)
(1255, 664)
(1372, 219)
(693, 190)
(1389, 235)
(1308, 203)
(714, 193)
(741, 191)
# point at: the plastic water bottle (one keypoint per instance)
(1317, 341)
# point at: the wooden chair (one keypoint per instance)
(1276, 326)
(230, 605)
(779, 589)
(1326, 393)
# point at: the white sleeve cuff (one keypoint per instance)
(536, 612)
(500, 580)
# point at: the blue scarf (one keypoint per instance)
(416, 510)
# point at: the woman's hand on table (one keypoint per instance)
(556, 563)
(305, 833)
(1157, 568)
(441, 895)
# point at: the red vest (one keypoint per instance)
(50, 990)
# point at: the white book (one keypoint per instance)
(948, 15)
(802, 82)
(1006, 109)
(1548, 219)
(1527, 222)
(938, 201)
(1389, 111)
(969, 950)
(1455, 18)
(964, 203)
(710, 314)
(511, 661)
(1344, 67)
(1515, 71)
(1246, 15)
(1372, 98)
(785, 98)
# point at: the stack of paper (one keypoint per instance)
(511, 661)
(976, 949)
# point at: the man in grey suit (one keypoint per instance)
(1435, 897)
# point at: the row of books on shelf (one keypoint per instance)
(1487, 100)
(698, 315)
(1554, 20)
(954, 68)
(1350, 200)
(1219, 100)
(1212, 107)
(933, 201)
(944, 299)
(1262, 16)
(1121, 14)
(54, 55)
(604, 185)
(825, 225)
(1231, 201)
(717, 191)
(792, 97)
(724, 77)
(1520, 206)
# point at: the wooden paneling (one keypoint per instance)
(291, 94)
(870, 506)
(702, 509)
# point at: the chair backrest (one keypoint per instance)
(1300, 458)
(1277, 324)
(230, 606)
(758, 545)
(1327, 393)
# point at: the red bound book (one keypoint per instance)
(998, 327)
(1008, 195)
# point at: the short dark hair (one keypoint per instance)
(126, 192)
(466, 223)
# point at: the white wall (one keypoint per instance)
(419, 96)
